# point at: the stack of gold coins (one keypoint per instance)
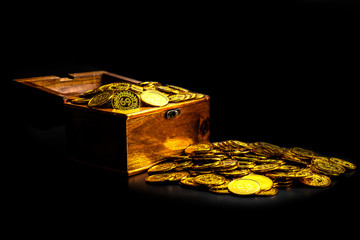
(240, 168)
(127, 96)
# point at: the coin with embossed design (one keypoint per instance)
(162, 167)
(265, 182)
(125, 100)
(343, 163)
(316, 180)
(209, 179)
(100, 99)
(244, 186)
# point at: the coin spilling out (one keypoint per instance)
(154, 98)
(127, 96)
(240, 168)
(244, 186)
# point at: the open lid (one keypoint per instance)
(75, 84)
(61, 89)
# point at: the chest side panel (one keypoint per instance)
(152, 137)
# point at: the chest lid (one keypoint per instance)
(75, 88)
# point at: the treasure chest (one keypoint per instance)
(126, 141)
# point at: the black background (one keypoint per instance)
(284, 72)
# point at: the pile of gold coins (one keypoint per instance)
(128, 96)
(240, 168)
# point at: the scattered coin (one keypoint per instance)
(162, 167)
(316, 180)
(244, 186)
(271, 192)
(209, 179)
(265, 182)
(258, 168)
(343, 163)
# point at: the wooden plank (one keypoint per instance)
(152, 137)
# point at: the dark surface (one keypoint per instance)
(43, 177)
(283, 72)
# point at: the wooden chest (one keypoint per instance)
(125, 141)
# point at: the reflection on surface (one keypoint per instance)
(177, 144)
(298, 194)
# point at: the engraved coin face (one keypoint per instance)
(209, 179)
(316, 180)
(162, 167)
(324, 164)
(343, 163)
(125, 100)
(100, 99)
(265, 167)
(265, 182)
(244, 186)
(159, 178)
(154, 98)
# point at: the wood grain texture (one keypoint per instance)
(153, 137)
(124, 141)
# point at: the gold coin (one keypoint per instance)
(159, 178)
(227, 163)
(324, 164)
(271, 192)
(265, 182)
(125, 100)
(205, 165)
(207, 158)
(343, 163)
(235, 173)
(150, 84)
(287, 168)
(115, 86)
(316, 180)
(176, 98)
(238, 144)
(247, 166)
(136, 88)
(265, 167)
(189, 182)
(80, 100)
(100, 99)
(303, 152)
(189, 96)
(199, 95)
(154, 98)
(221, 191)
(221, 186)
(162, 167)
(177, 176)
(198, 148)
(244, 186)
(167, 89)
(209, 179)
